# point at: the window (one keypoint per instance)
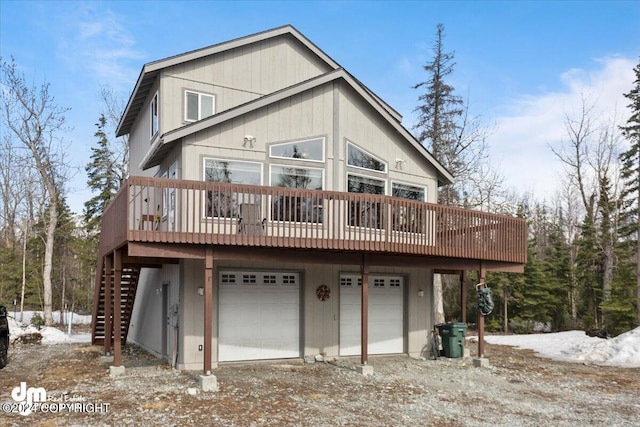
(361, 184)
(410, 218)
(311, 150)
(406, 191)
(359, 158)
(366, 214)
(298, 209)
(227, 204)
(248, 279)
(269, 279)
(198, 106)
(154, 115)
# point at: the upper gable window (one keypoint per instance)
(198, 106)
(154, 115)
(310, 150)
(359, 158)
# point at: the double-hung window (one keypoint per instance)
(198, 106)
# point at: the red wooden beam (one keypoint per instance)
(482, 274)
(364, 321)
(107, 304)
(208, 307)
(117, 288)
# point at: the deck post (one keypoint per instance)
(463, 295)
(364, 321)
(481, 275)
(107, 304)
(117, 292)
(208, 307)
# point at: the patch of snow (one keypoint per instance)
(76, 319)
(50, 335)
(576, 346)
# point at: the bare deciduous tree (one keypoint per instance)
(35, 123)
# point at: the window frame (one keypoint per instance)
(375, 178)
(424, 188)
(205, 215)
(200, 95)
(154, 116)
(277, 144)
(350, 143)
(322, 172)
(319, 207)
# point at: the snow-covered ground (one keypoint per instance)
(50, 335)
(576, 346)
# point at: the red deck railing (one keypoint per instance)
(196, 212)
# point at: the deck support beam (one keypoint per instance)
(464, 285)
(107, 304)
(481, 275)
(364, 321)
(208, 307)
(117, 306)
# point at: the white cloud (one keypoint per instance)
(533, 122)
(98, 41)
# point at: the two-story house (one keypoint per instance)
(267, 186)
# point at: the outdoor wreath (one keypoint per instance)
(323, 292)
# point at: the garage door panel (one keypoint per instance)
(386, 315)
(259, 320)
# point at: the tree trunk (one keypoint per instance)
(438, 300)
(48, 259)
(506, 313)
(24, 269)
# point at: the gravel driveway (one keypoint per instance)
(518, 389)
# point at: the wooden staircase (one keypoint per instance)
(128, 285)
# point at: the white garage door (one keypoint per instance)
(385, 314)
(259, 315)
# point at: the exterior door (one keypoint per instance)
(386, 318)
(259, 315)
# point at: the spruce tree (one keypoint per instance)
(103, 178)
(631, 177)
(439, 111)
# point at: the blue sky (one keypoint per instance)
(523, 65)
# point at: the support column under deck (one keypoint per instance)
(107, 304)
(482, 274)
(117, 303)
(364, 321)
(208, 308)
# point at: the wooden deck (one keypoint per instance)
(155, 210)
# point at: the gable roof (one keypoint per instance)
(151, 70)
(166, 142)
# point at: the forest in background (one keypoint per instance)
(582, 268)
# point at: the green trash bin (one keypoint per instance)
(452, 335)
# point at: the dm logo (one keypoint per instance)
(29, 396)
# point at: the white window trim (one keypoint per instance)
(386, 184)
(323, 139)
(386, 165)
(155, 99)
(295, 167)
(200, 94)
(412, 185)
(218, 159)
